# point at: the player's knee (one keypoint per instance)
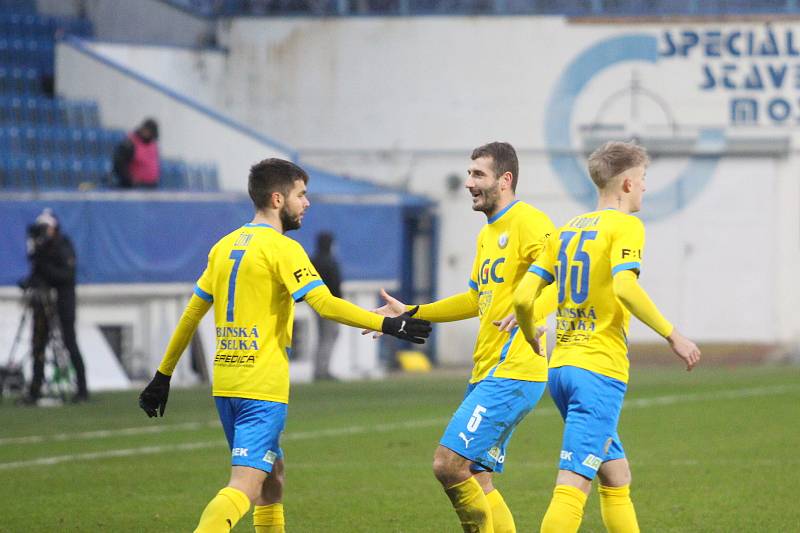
(615, 474)
(440, 469)
(449, 467)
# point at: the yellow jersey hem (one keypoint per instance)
(603, 372)
(538, 376)
(251, 396)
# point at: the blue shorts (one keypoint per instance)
(482, 425)
(590, 404)
(253, 429)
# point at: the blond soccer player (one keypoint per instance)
(595, 261)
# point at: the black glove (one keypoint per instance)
(407, 328)
(153, 398)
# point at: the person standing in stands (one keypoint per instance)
(136, 160)
(327, 331)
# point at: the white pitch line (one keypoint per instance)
(350, 430)
(149, 450)
(109, 433)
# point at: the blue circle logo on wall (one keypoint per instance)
(558, 129)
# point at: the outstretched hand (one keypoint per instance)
(407, 328)
(392, 308)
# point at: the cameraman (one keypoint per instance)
(52, 259)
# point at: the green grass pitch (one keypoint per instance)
(711, 450)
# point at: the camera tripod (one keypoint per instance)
(57, 378)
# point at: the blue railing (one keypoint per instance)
(582, 8)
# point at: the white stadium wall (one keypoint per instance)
(141, 21)
(404, 100)
(188, 129)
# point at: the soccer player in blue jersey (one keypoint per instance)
(254, 276)
(508, 378)
(595, 260)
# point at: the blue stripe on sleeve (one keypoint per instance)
(473, 285)
(626, 266)
(299, 294)
(542, 273)
(203, 294)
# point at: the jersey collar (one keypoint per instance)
(251, 225)
(502, 212)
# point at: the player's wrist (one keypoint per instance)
(161, 379)
(673, 335)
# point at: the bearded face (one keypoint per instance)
(290, 220)
(294, 208)
(483, 185)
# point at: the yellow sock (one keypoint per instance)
(269, 518)
(566, 510)
(223, 511)
(617, 510)
(501, 515)
(471, 506)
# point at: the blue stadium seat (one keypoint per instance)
(21, 81)
(173, 175)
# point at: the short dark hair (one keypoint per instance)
(505, 159)
(272, 175)
(152, 125)
(614, 158)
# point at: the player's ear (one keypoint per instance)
(627, 184)
(507, 179)
(276, 199)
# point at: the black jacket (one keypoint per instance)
(53, 263)
(328, 270)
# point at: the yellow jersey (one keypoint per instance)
(582, 257)
(506, 246)
(254, 276)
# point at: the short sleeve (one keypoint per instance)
(544, 265)
(628, 246)
(296, 272)
(534, 232)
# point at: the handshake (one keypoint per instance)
(400, 322)
(405, 327)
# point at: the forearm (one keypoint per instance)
(457, 307)
(546, 303)
(333, 308)
(526, 293)
(187, 325)
(636, 300)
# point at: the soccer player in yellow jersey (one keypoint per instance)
(254, 276)
(508, 378)
(595, 260)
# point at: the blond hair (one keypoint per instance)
(614, 158)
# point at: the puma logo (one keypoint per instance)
(465, 439)
(402, 328)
